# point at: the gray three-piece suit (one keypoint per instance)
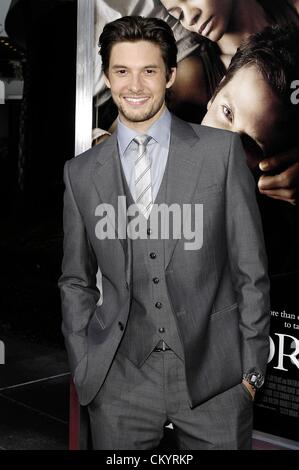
(210, 305)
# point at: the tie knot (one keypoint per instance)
(142, 140)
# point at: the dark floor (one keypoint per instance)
(34, 382)
(34, 397)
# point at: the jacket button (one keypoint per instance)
(153, 255)
(121, 326)
(156, 280)
(149, 231)
(162, 330)
(158, 305)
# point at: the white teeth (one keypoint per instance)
(135, 100)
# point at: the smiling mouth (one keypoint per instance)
(136, 101)
(206, 27)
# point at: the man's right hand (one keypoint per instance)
(285, 184)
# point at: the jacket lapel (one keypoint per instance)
(108, 181)
(185, 163)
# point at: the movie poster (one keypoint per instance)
(277, 405)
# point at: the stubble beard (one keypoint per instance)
(140, 115)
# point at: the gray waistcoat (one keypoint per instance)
(151, 316)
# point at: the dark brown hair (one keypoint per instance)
(138, 28)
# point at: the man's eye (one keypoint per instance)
(149, 72)
(227, 113)
(121, 72)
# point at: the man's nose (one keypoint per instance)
(136, 83)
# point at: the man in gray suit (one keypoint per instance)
(174, 333)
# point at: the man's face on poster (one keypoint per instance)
(137, 79)
(247, 105)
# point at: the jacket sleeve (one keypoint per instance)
(78, 282)
(247, 258)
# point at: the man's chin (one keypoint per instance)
(137, 117)
(140, 115)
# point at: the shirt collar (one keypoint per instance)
(159, 131)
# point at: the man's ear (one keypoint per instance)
(172, 78)
(106, 80)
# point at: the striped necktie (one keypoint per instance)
(143, 181)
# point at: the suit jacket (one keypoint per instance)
(219, 293)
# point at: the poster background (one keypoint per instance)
(277, 405)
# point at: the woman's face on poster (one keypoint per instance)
(209, 18)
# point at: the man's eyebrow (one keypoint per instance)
(154, 66)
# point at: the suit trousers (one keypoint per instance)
(134, 404)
